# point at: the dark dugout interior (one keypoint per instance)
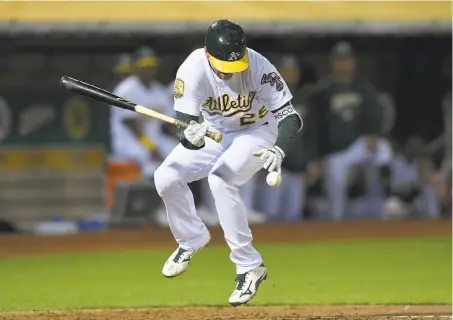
(415, 70)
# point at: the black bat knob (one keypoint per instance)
(67, 82)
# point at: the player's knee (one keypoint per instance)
(215, 181)
(223, 175)
(165, 178)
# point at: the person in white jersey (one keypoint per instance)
(241, 94)
(135, 137)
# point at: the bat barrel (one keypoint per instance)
(107, 97)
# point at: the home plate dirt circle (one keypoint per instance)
(242, 313)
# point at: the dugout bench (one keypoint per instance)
(130, 199)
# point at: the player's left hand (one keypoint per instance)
(196, 132)
(273, 158)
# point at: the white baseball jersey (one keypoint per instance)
(247, 100)
(154, 97)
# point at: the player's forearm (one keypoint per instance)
(184, 117)
(136, 130)
(287, 132)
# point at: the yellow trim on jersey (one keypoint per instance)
(230, 66)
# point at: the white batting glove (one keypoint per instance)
(272, 158)
(196, 132)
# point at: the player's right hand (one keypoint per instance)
(272, 158)
(196, 132)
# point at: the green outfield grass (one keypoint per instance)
(416, 271)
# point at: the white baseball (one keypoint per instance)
(274, 179)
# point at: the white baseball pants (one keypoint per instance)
(338, 166)
(408, 173)
(228, 165)
(247, 192)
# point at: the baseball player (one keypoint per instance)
(349, 119)
(123, 67)
(411, 180)
(241, 94)
(133, 137)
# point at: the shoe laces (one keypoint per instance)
(178, 256)
(241, 280)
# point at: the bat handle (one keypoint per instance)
(214, 135)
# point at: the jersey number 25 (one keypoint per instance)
(250, 118)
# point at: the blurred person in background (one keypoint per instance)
(315, 205)
(286, 203)
(135, 137)
(388, 113)
(446, 108)
(349, 119)
(413, 188)
(122, 68)
(446, 163)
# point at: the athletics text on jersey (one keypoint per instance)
(244, 101)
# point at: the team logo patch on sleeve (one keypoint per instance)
(178, 90)
(273, 79)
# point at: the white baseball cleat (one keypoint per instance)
(178, 262)
(247, 285)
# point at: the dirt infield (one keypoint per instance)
(241, 313)
(150, 238)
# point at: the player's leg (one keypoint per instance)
(430, 203)
(364, 192)
(370, 204)
(380, 172)
(206, 210)
(247, 192)
(335, 184)
(171, 178)
(234, 168)
(338, 169)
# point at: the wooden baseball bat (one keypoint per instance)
(102, 95)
